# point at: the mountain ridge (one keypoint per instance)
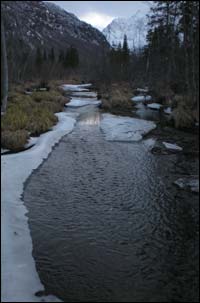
(134, 27)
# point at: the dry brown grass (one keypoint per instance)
(183, 114)
(14, 140)
(116, 96)
(33, 114)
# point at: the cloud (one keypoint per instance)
(98, 20)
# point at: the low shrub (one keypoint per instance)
(32, 114)
(40, 121)
(14, 140)
(44, 96)
(14, 119)
(118, 95)
(183, 117)
(183, 113)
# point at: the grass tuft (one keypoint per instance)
(29, 114)
(14, 140)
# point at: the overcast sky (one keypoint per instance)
(101, 13)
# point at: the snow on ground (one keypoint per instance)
(168, 110)
(4, 150)
(188, 182)
(20, 280)
(117, 128)
(142, 90)
(141, 98)
(85, 94)
(154, 106)
(78, 102)
(78, 88)
(150, 143)
(172, 146)
(31, 141)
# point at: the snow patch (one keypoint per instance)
(4, 150)
(168, 110)
(31, 141)
(150, 143)
(76, 88)
(141, 98)
(188, 182)
(20, 280)
(172, 146)
(117, 128)
(154, 106)
(142, 90)
(85, 94)
(75, 102)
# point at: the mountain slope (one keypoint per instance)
(33, 24)
(134, 27)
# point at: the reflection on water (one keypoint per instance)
(87, 115)
(146, 113)
(91, 117)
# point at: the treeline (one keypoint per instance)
(120, 59)
(172, 52)
(169, 62)
(68, 59)
(44, 63)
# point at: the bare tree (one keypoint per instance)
(4, 70)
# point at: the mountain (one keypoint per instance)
(33, 24)
(134, 27)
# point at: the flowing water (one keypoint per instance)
(107, 223)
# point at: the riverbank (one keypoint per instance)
(31, 112)
(20, 281)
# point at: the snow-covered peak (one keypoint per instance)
(135, 28)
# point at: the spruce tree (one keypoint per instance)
(71, 58)
(44, 55)
(38, 59)
(52, 55)
(74, 56)
(61, 56)
(125, 51)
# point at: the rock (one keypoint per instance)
(27, 92)
(158, 150)
(40, 293)
(191, 183)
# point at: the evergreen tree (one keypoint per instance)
(173, 44)
(71, 58)
(66, 61)
(38, 59)
(44, 55)
(125, 51)
(61, 56)
(52, 55)
(74, 57)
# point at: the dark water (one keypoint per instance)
(108, 225)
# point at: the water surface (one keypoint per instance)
(108, 225)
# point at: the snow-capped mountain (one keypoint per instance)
(134, 27)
